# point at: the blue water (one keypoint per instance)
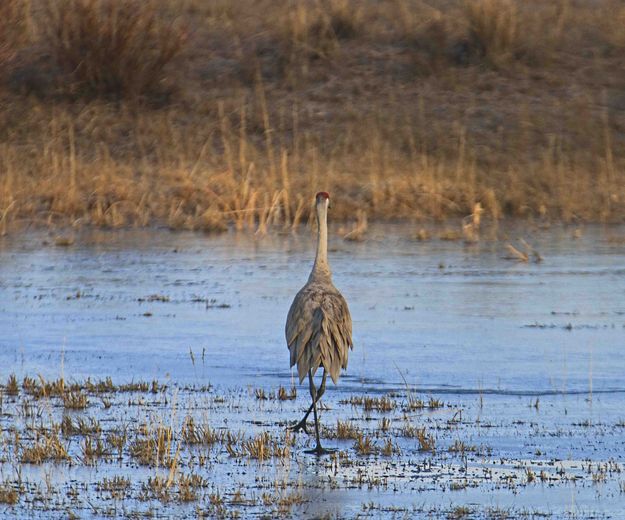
(450, 317)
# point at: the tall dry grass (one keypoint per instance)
(400, 110)
(14, 28)
(494, 27)
(116, 48)
(505, 31)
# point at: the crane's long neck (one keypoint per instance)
(321, 268)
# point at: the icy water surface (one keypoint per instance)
(513, 370)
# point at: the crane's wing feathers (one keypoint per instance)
(319, 330)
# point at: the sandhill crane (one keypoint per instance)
(318, 327)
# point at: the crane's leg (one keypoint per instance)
(301, 426)
(318, 449)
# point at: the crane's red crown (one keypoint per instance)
(322, 195)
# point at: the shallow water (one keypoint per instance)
(488, 335)
(454, 318)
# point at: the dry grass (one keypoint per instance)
(357, 234)
(287, 395)
(11, 387)
(92, 449)
(8, 494)
(186, 466)
(7, 42)
(381, 404)
(193, 433)
(459, 512)
(117, 441)
(461, 447)
(117, 486)
(111, 48)
(48, 447)
(414, 403)
(401, 111)
(311, 31)
(80, 426)
(389, 449)
(427, 441)
(344, 430)
(188, 486)
(75, 400)
(261, 447)
(495, 29)
(153, 446)
(364, 445)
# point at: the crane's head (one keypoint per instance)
(322, 197)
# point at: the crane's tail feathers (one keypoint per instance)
(323, 343)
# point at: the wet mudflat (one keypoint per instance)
(151, 378)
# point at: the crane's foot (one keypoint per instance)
(299, 427)
(319, 451)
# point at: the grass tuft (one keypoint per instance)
(9, 494)
(203, 434)
(117, 486)
(153, 446)
(12, 387)
(47, 448)
(287, 395)
(344, 430)
(427, 442)
(75, 401)
(364, 445)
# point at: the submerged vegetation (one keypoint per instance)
(204, 115)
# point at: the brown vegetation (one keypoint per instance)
(46, 448)
(117, 48)
(8, 494)
(204, 115)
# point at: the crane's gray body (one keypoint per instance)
(319, 329)
(319, 326)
